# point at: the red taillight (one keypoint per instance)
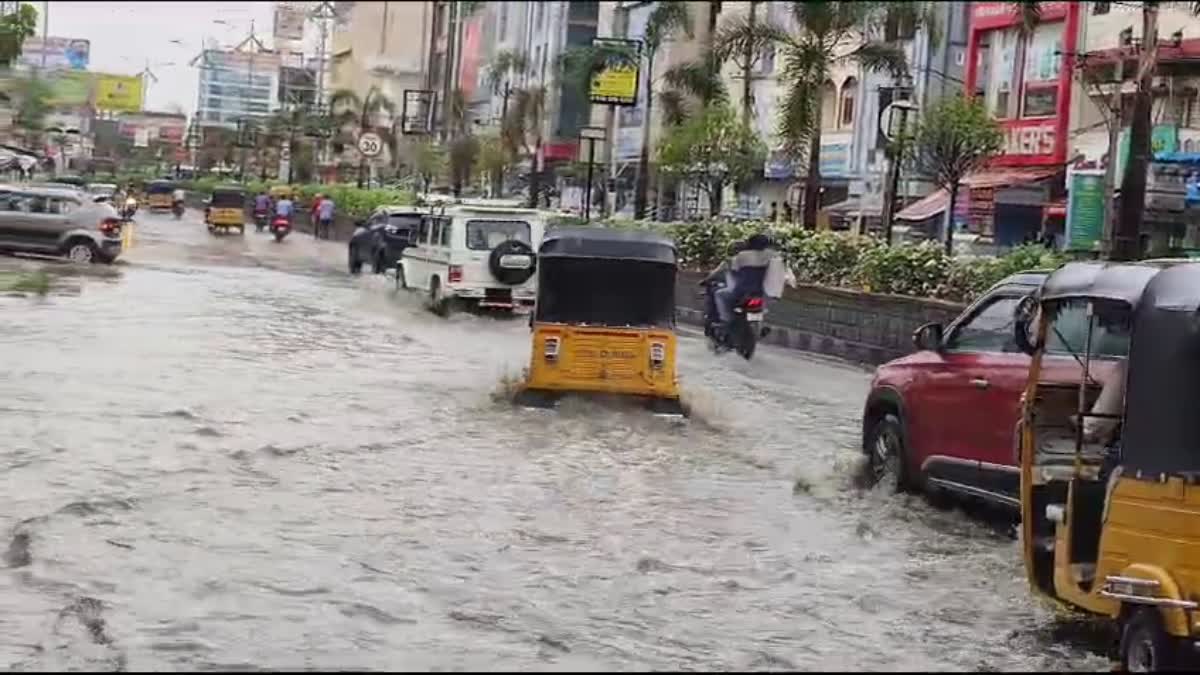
(455, 275)
(110, 225)
(754, 303)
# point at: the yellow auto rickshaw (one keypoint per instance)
(1110, 488)
(226, 210)
(604, 318)
(160, 195)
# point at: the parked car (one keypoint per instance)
(381, 238)
(470, 254)
(58, 221)
(101, 192)
(944, 418)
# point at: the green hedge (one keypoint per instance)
(857, 262)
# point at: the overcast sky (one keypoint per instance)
(124, 35)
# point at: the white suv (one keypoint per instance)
(485, 256)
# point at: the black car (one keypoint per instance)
(381, 238)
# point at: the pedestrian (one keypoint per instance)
(314, 215)
(325, 215)
(774, 216)
(787, 212)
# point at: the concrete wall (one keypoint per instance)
(867, 328)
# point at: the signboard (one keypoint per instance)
(141, 137)
(1164, 138)
(1085, 210)
(835, 159)
(778, 164)
(60, 53)
(289, 22)
(471, 55)
(616, 84)
(417, 112)
(118, 92)
(370, 144)
(70, 88)
(988, 15)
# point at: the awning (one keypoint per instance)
(935, 202)
(852, 208)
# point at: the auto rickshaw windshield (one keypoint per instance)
(606, 292)
(159, 188)
(228, 199)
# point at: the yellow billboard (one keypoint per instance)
(615, 84)
(121, 93)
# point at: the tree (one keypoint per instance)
(493, 161)
(666, 19)
(15, 28)
(429, 161)
(826, 34)
(33, 96)
(359, 114)
(712, 148)
(699, 81)
(955, 137)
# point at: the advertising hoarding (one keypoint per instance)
(70, 88)
(118, 92)
(1085, 210)
(616, 84)
(60, 53)
(289, 22)
(472, 55)
(417, 112)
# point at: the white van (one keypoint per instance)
(480, 255)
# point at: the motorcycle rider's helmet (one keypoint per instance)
(758, 242)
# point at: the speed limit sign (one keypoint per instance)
(370, 144)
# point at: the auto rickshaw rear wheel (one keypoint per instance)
(1146, 647)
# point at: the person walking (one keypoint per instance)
(314, 215)
(325, 215)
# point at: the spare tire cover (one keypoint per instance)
(512, 262)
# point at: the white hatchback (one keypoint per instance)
(485, 256)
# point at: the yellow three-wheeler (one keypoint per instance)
(226, 210)
(604, 319)
(1110, 465)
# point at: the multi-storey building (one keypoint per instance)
(237, 84)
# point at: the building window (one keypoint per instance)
(849, 89)
(1042, 67)
(899, 26)
(1100, 7)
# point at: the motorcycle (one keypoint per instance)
(743, 332)
(280, 227)
(177, 209)
(129, 209)
(260, 220)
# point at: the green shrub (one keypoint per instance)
(850, 261)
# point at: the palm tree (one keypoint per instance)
(504, 67)
(699, 80)
(522, 132)
(362, 114)
(825, 34)
(666, 19)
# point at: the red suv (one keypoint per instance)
(944, 417)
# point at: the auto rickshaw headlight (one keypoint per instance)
(551, 349)
(658, 354)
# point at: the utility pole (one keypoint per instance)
(1127, 231)
(620, 28)
(1114, 149)
(45, 32)
(902, 105)
(322, 13)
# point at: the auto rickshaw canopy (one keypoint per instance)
(1161, 433)
(606, 277)
(228, 197)
(158, 187)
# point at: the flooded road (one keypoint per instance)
(230, 454)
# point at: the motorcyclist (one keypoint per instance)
(177, 199)
(757, 269)
(262, 205)
(284, 208)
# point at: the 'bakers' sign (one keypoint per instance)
(1029, 142)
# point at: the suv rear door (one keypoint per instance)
(32, 221)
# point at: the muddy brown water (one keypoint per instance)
(227, 453)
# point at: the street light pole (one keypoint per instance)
(45, 31)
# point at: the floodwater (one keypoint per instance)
(226, 453)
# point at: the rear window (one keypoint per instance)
(485, 235)
(404, 221)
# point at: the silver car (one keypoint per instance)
(58, 222)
